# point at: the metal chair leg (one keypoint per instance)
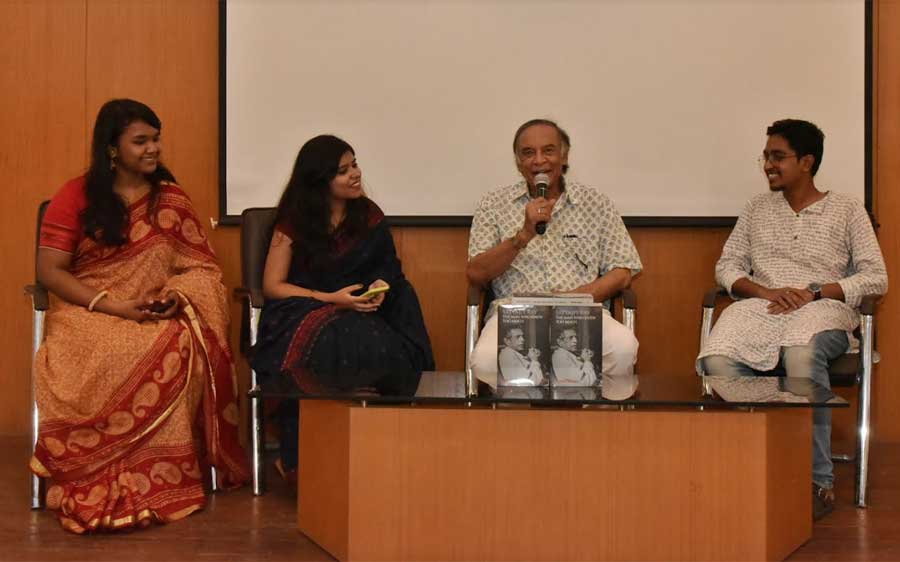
(257, 425)
(628, 318)
(864, 411)
(257, 445)
(37, 501)
(37, 336)
(705, 330)
(471, 339)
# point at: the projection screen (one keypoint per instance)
(666, 101)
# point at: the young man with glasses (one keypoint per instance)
(800, 259)
(585, 249)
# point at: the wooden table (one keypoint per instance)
(450, 482)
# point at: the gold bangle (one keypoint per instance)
(97, 298)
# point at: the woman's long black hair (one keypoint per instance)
(106, 215)
(305, 205)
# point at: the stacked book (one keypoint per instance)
(549, 340)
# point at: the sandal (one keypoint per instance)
(823, 501)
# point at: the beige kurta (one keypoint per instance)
(585, 238)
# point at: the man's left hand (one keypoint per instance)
(799, 298)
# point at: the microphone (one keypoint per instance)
(542, 183)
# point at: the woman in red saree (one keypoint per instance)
(134, 381)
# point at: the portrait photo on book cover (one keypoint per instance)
(522, 346)
(576, 340)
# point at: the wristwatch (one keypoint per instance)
(816, 290)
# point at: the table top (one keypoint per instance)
(448, 387)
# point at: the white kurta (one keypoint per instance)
(830, 241)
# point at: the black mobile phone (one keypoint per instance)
(160, 306)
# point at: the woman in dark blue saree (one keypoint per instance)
(317, 331)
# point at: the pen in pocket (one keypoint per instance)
(577, 257)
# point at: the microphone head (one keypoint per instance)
(542, 183)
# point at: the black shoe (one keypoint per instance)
(823, 501)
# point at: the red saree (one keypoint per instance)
(132, 414)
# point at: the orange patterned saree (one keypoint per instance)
(133, 414)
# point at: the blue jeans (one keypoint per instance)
(802, 361)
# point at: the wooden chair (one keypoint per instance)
(850, 369)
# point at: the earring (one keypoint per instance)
(112, 164)
(112, 159)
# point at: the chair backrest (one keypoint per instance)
(486, 303)
(256, 230)
(42, 210)
(40, 298)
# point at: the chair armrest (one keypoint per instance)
(255, 296)
(710, 297)
(868, 304)
(473, 297)
(629, 299)
(39, 296)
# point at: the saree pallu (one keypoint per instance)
(133, 414)
(317, 347)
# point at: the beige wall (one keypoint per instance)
(61, 59)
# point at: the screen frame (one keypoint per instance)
(466, 220)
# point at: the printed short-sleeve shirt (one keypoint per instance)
(585, 238)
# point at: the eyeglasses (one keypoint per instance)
(774, 157)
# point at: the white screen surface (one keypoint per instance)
(666, 101)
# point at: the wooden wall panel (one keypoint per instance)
(43, 144)
(434, 262)
(165, 54)
(62, 59)
(678, 268)
(886, 391)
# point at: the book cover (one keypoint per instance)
(576, 334)
(523, 345)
